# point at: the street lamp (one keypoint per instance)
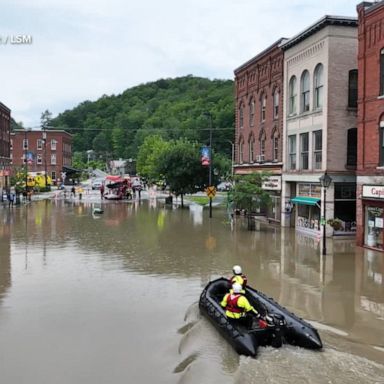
(325, 181)
(208, 114)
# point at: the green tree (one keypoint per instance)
(180, 164)
(149, 155)
(248, 192)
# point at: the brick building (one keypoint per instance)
(49, 150)
(320, 107)
(370, 165)
(5, 144)
(259, 120)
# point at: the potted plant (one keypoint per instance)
(336, 224)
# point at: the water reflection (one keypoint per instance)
(58, 257)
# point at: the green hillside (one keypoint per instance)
(115, 126)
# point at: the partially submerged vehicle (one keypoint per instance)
(284, 326)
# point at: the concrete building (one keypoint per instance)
(259, 121)
(370, 165)
(320, 107)
(42, 151)
(5, 145)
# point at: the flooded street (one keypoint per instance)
(113, 298)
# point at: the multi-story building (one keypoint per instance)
(370, 164)
(5, 145)
(259, 120)
(44, 152)
(320, 107)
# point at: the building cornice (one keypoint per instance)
(325, 21)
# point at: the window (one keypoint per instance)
(317, 149)
(382, 72)
(262, 148)
(25, 143)
(292, 152)
(352, 89)
(304, 146)
(292, 96)
(381, 144)
(39, 144)
(241, 116)
(251, 112)
(241, 154)
(53, 144)
(318, 86)
(352, 147)
(11, 145)
(275, 146)
(263, 105)
(251, 150)
(39, 159)
(53, 158)
(276, 97)
(53, 175)
(304, 86)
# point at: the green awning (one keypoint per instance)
(304, 200)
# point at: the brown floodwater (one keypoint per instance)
(113, 298)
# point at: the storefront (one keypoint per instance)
(307, 203)
(273, 185)
(373, 209)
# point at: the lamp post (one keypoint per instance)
(208, 114)
(45, 157)
(325, 181)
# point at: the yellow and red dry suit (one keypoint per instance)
(236, 305)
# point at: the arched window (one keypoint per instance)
(241, 116)
(304, 88)
(263, 105)
(352, 88)
(276, 100)
(318, 85)
(292, 96)
(251, 112)
(251, 148)
(382, 72)
(241, 152)
(275, 144)
(262, 146)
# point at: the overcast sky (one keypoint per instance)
(82, 49)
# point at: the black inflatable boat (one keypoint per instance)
(283, 326)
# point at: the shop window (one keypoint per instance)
(374, 225)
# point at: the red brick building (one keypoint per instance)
(259, 120)
(370, 163)
(5, 157)
(49, 150)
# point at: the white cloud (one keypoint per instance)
(83, 49)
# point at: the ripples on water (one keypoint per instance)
(208, 358)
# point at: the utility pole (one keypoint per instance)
(208, 114)
(45, 157)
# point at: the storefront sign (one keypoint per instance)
(375, 191)
(272, 183)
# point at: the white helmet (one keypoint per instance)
(237, 269)
(237, 288)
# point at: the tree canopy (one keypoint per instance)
(116, 126)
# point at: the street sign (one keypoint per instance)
(211, 191)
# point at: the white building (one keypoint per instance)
(319, 126)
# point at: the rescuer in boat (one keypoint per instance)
(237, 306)
(239, 277)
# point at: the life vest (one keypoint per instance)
(241, 279)
(232, 306)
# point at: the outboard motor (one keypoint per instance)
(277, 324)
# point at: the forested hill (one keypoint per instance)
(115, 126)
